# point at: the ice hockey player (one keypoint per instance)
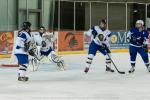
(100, 42)
(138, 43)
(45, 41)
(22, 45)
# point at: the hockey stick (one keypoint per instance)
(120, 72)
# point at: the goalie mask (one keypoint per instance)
(42, 30)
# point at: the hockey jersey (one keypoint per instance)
(22, 39)
(46, 37)
(137, 38)
(96, 31)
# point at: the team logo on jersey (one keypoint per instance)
(101, 37)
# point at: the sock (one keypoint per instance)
(89, 60)
(22, 70)
(108, 61)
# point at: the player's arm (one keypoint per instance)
(88, 33)
(21, 40)
(129, 36)
(48, 36)
(107, 41)
(109, 34)
(24, 42)
(146, 41)
(92, 32)
(146, 38)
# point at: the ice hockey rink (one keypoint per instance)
(48, 83)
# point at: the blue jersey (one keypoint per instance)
(136, 37)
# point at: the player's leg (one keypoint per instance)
(91, 53)
(133, 53)
(34, 58)
(51, 54)
(108, 60)
(23, 64)
(145, 58)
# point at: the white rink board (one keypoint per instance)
(50, 84)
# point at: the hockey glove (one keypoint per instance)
(145, 47)
(32, 52)
(103, 46)
(26, 47)
(94, 32)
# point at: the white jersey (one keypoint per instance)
(46, 37)
(22, 38)
(105, 33)
(37, 38)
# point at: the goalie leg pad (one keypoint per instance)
(57, 60)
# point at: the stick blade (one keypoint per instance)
(122, 72)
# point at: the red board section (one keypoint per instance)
(70, 41)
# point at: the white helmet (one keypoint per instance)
(140, 22)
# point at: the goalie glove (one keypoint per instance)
(32, 52)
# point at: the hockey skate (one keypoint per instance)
(23, 79)
(131, 70)
(148, 68)
(86, 70)
(108, 69)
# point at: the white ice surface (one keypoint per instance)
(50, 84)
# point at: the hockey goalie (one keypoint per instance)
(43, 47)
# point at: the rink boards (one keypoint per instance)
(66, 42)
